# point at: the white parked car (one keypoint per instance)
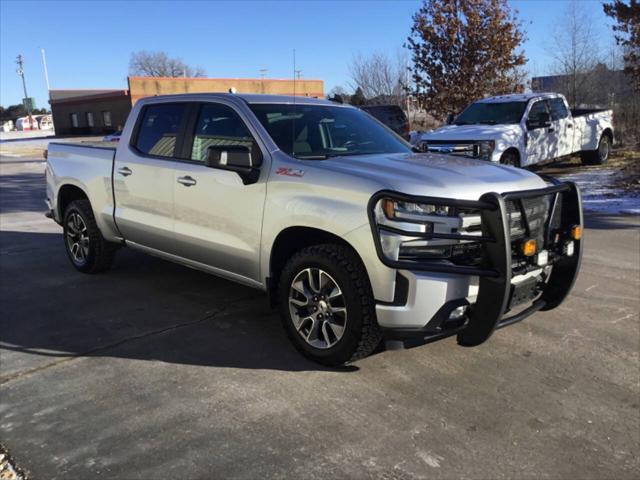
(523, 130)
(23, 123)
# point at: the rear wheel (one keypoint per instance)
(326, 305)
(599, 156)
(88, 251)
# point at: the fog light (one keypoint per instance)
(457, 313)
(529, 248)
(543, 258)
(568, 249)
(576, 232)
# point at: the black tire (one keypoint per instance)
(361, 334)
(98, 254)
(599, 156)
(510, 157)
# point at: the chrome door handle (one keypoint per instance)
(187, 181)
(125, 171)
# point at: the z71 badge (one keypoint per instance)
(290, 172)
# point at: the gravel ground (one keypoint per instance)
(157, 371)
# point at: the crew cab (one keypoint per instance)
(353, 235)
(523, 130)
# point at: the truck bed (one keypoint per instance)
(578, 112)
(89, 167)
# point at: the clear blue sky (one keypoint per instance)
(88, 43)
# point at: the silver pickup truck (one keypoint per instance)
(353, 235)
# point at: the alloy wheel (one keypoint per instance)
(317, 308)
(77, 238)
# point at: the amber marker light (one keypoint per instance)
(529, 248)
(576, 232)
(389, 208)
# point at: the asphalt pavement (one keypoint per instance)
(154, 371)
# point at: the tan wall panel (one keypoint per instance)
(140, 87)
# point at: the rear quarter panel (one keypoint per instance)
(589, 128)
(90, 169)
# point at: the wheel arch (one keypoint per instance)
(67, 194)
(609, 133)
(516, 152)
(291, 240)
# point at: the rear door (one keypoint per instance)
(218, 219)
(144, 176)
(563, 124)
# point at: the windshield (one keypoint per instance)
(317, 132)
(491, 113)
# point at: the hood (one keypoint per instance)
(471, 132)
(436, 175)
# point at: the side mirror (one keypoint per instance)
(423, 146)
(450, 118)
(235, 158)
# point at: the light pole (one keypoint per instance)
(20, 71)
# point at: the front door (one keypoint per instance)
(144, 177)
(217, 218)
(542, 141)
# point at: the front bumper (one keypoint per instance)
(492, 290)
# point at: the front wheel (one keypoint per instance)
(510, 157)
(327, 306)
(88, 251)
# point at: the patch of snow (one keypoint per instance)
(599, 193)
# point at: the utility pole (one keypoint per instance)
(298, 74)
(263, 72)
(20, 71)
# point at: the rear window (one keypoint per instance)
(558, 109)
(158, 129)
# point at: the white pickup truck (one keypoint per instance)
(523, 130)
(349, 231)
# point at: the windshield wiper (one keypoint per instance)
(488, 122)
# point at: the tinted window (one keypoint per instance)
(322, 131)
(558, 109)
(159, 128)
(491, 113)
(537, 111)
(219, 125)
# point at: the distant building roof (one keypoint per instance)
(67, 96)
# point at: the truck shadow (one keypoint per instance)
(143, 309)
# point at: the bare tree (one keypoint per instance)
(159, 64)
(339, 93)
(380, 76)
(575, 54)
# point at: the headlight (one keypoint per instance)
(485, 149)
(415, 232)
(412, 212)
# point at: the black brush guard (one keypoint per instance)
(496, 271)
